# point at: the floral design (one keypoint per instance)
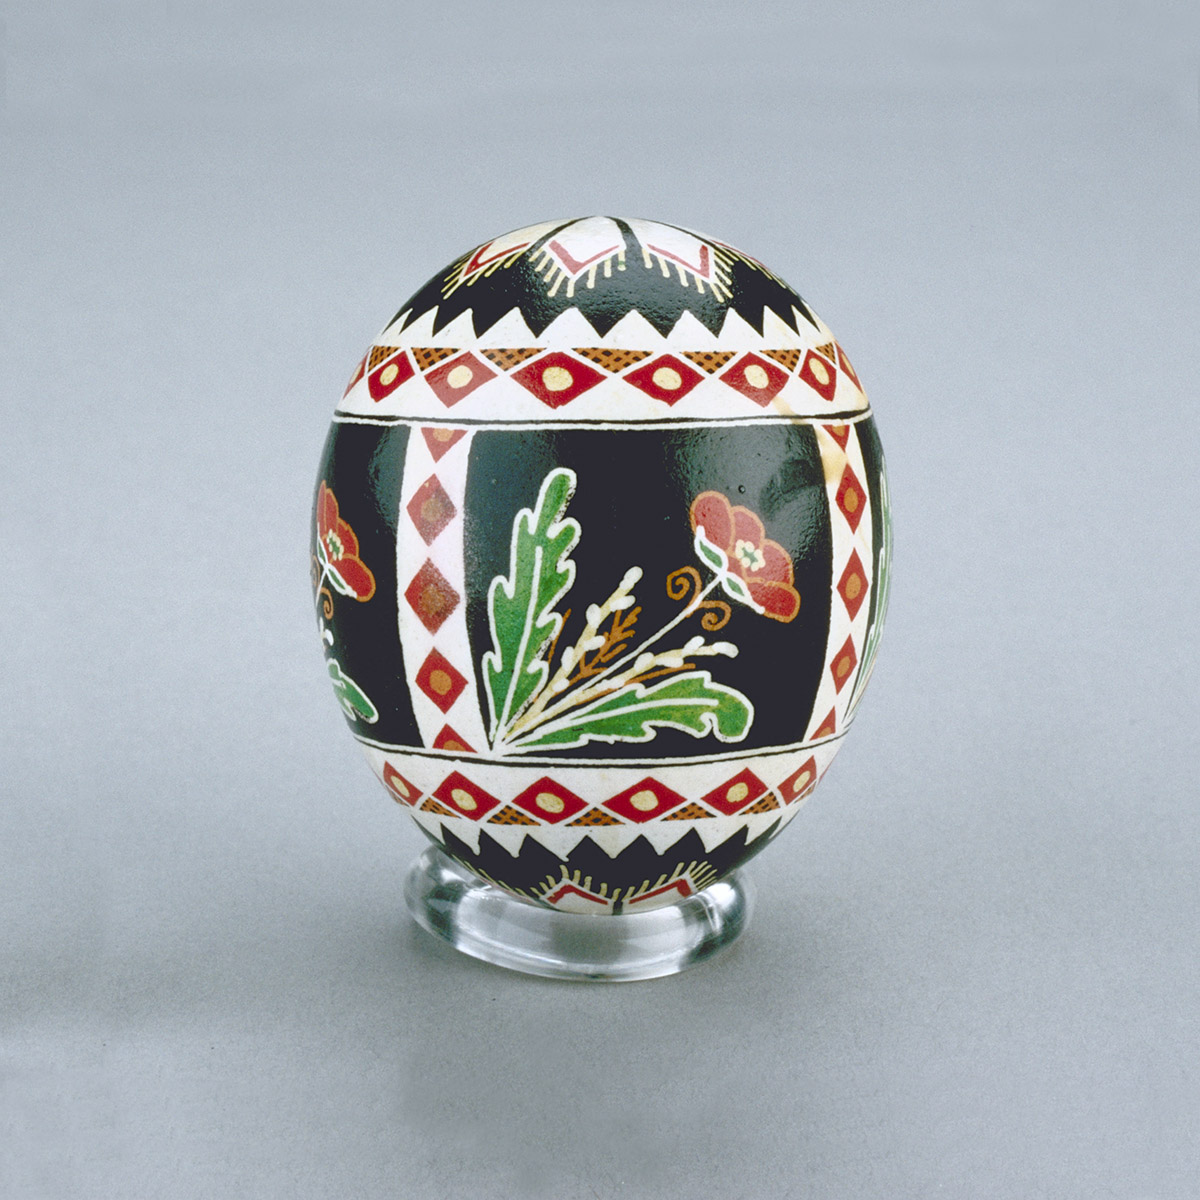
(337, 561)
(750, 568)
(354, 701)
(614, 684)
(337, 550)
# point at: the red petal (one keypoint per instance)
(357, 577)
(777, 568)
(327, 510)
(746, 526)
(780, 600)
(348, 540)
(712, 512)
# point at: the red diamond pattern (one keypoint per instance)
(839, 433)
(431, 509)
(851, 498)
(431, 596)
(757, 379)
(799, 783)
(466, 798)
(447, 739)
(852, 587)
(439, 439)
(400, 787)
(458, 377)
(644, 801)
(550, 801)
(844, 662)
(557, 378)
(439, 680)
(666, 378)
(828, 727)
(734, 794)
(844, 359)
(820, 374)
(389, 375)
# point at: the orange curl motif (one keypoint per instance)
(685, 581)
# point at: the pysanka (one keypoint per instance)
(600, 555)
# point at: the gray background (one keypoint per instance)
(974, 967)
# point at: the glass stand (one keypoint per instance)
(485, 921)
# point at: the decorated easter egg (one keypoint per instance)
(600, 556)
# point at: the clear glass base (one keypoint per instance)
(485, 921)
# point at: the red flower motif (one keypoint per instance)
(763, 567)
(337, 549)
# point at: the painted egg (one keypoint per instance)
(601, 551)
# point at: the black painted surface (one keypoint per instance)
(364, 465)
(633, 495)
(639, 863)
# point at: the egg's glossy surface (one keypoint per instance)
(601, 551)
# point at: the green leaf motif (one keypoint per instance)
(521, 606)
(691, 702)
(739, 591)
(712, 555)
(351, 697)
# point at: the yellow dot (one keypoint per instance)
(756, 376)
(667, 378)
(737, 793)
(802, 782)
(548, 802)
(443, 435)
(460, 376)
(557, 379)
(388, 374)
(451, 744)
(817, 368)
(850, 500)
(464, 799)
(853, 587)
(431, 510)
(440, 682)
(644, 801)
(843, 666)
(398, 786)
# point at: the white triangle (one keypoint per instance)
(738, 334)
(460, 332)
(511, 837)
(776, 333)
(420, 333)
(510, 332)
(662, 835)
(633, 332)
(612, 839)
(464, 830)
(562, 839)
(393, 325)
(802, 322)
(570, 328)
(690, 334)
(758, 823)
(716, 833)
